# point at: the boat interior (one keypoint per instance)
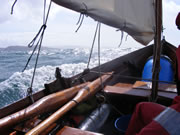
(115, 98)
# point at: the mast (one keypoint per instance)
(157, 50)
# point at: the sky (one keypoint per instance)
(21, 27)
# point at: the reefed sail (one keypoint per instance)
(136, 17)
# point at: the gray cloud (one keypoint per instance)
(27, 19)
(5, 11)
(22, 10)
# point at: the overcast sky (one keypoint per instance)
(22, 26)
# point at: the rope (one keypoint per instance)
(29, 59)
(40, 34)
(44, 13)
(126, 37)
(99, 54)
(31, 44)
(131, 77)
(80, 21)
(41, 31)
(98, 30)
(82, 14)
(92, 47)
(122, 35)
(99, 71)
(87, 70)
(12, 8)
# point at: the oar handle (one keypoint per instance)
(43, 105)
(82, 94)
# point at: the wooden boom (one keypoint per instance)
(45, 104)
(85, 92)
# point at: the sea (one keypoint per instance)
(14, 83)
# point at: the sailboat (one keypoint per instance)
(93, 101)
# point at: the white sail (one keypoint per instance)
(136, 17)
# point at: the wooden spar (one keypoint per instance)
(82, 94)
(45, 104)
(157, 50)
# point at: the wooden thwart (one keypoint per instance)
(126, 91)
(140, 89)
(74, 131)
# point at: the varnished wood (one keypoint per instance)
(123, 66)
(82, 94)
(74, 131)
(138, 92)
(14, 107)
(162, 86)
(126, 91)
(45, 104)
(13, 133)
(50, 128)
(26, 126)
(124, 85)
(138, 84)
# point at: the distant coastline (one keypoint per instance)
(19, 48)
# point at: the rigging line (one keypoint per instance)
(29, 90)
(92, 47)
(126, 37)
(82, 14)
(159, 15)
(12, 8)
(99, 44)
(31, 44)
(44, 17)
(99, 55)
(131, 77)
(90, 56)
(48, 12)
(43, 27)
(80, 22)
(79, 19)
(30, 58)
(99, 61)
(99, 72)
(122, 35)
(39, 43)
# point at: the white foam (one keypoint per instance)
(46, 74)
(43, 52)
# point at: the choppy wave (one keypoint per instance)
(71, 61)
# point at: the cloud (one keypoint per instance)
(175, 1)
(56, 10)
(31, 10)
(170, 11)
(23, 25)
(5, 11)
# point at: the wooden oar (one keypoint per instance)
(45, 104)
(82, 94)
